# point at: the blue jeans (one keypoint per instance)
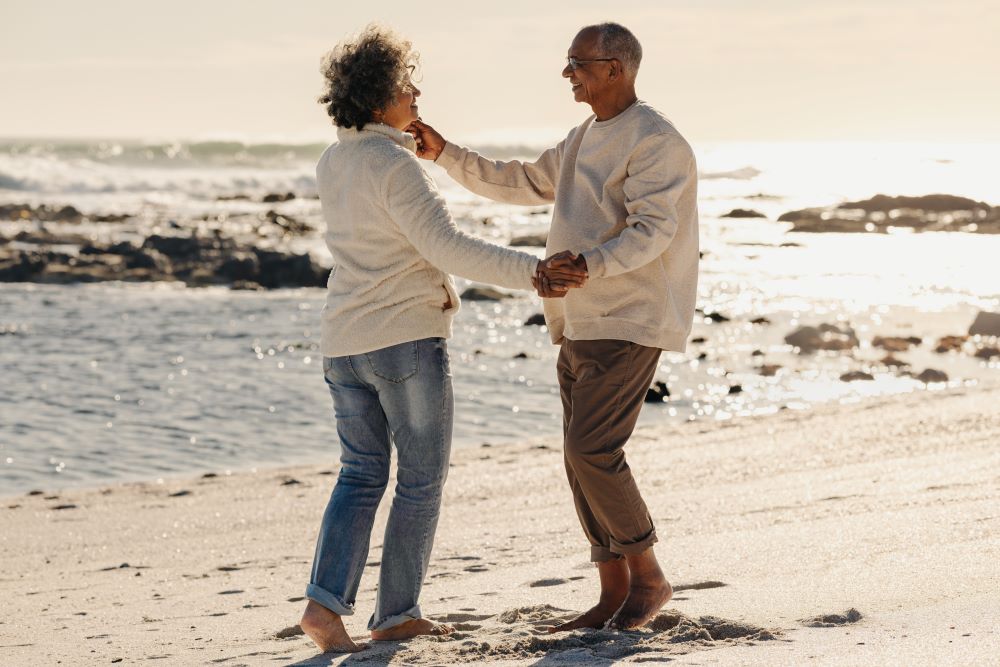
(400, 394)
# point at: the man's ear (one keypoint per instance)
(615, 71)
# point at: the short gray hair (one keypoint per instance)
(617, 41)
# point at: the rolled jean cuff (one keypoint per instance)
(334, 603)
(411, 614)
(637, 547)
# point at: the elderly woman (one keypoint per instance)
(388, 312)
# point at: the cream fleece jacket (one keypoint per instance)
(625, 193)
(393, 243)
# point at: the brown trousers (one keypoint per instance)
(603, 384)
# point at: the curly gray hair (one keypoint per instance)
(363, 75)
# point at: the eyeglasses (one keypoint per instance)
(574, 63)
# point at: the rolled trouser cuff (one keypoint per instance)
(334, 603)
(602, 554)
(411, 614)
(633, 548)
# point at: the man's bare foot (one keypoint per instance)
(411, 629)
(648, 591)
(327, 629)
(614, 589)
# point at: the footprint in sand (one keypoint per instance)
(542, 583)
(852, 615)
(700, 586)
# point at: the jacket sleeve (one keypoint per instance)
(419, 211)
(660, 194)
(512, 182)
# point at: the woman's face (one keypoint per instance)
(403, 110)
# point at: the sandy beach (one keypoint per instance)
(881, 516)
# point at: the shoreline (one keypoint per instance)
(763, 523)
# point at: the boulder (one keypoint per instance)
(658, 393)
(743, 213)
(950, 344)
(241, 266)
(985, 324)
(536, 320)
(533, 240)
(936, 203)
(174, 247)
(21, 267)
(856, 376)
(895, 343)
(278, 269)
(275, 197)
(824, 337)
(987, 353)
(484, 294)
(147, 258)
(930, 375)
(893, 362)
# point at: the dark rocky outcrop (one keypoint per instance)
(937, 212)
(824, 337)
(195, 260)
(536, 320)
(743, 213)
(533, 240)
(484, 294)
(658, 393)
(275, 197)
(985, 324)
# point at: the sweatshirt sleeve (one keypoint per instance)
(660, 194)
(512, 182)
(418, 209)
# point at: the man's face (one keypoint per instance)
(590, 80)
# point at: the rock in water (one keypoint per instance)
(932, 375)
(534, 240)
(855, 376)
(744, 213)
(484, 294)
(536, 320)
(985, 324)
(658, 393)
(824, 337)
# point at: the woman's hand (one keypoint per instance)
(429, 142)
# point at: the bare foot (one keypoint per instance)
(327, 629)
(614, 589)
(411, 629)
(648, 591)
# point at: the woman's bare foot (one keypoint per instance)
(327, 629)
(648, 591)
(614, 576)
(411, 629)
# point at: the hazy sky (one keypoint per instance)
(721, 69)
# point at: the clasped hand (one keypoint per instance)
(556, 275)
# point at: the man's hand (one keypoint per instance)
(556, 275)
(429, 142)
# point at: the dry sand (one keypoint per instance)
(882, 516)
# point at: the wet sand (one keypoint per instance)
(854, 534)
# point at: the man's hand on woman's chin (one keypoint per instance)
(429, 142)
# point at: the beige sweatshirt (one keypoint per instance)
(625, 193)
(393, 243)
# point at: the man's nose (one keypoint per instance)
(567, 71)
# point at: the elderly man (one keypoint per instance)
(624, 185)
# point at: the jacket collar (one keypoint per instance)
(402, 138)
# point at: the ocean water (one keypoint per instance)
(121, 382)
